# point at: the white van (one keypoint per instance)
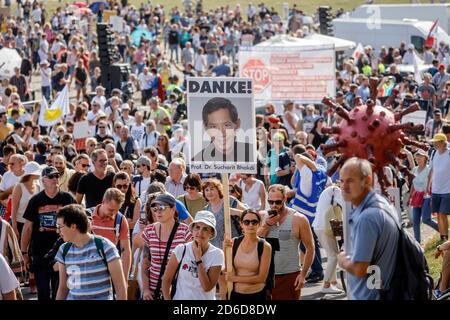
(388, 33)
(423, 12)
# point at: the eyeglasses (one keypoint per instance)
(277, 202)
(122, 186)
(158, 207)
(53, 176)
(203, 229)
(85, 165)
(59, 227)
(191, 188)
(253, 222)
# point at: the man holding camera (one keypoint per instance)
(40, 230)
(290, 228)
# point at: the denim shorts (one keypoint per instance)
(441, 203)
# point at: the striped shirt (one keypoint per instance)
(158, 248)
(87, 275)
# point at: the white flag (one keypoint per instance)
(58, 109)
(358, 51)
(417, 62)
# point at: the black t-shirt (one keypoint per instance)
(42, 210)
(3, 168)
(94, 188)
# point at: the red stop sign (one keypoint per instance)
(256, 70)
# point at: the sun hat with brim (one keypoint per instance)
(421, 152)
(207, 218)
(439, 137)
(32, 169)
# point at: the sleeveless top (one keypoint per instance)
(251, 197)
(247, 265)
(290, 130)
(24, 199)
(287, 259)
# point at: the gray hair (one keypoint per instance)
(364, 166)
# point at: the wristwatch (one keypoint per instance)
(198, 262)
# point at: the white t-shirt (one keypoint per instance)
(141, 188)
(8, 281)
(45, 77)
(101, 100)
(37, 15)
(188, 284)
(9, 180)
(145, 81)
(324, 204)
(137, 131)
(251, 197)
(440, 183)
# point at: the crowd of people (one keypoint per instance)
(119, 215)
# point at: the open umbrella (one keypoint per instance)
(138, 34)
(81, 11)
(95, 6)
(9, 59)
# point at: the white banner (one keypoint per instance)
(303, 74)
(222, 126)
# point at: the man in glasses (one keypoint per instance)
(81, 163)
(40, 231)
(108, 222)
(290, 228)
(12, 177)
(95, 183)
(102, 133)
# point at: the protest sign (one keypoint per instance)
(221, 125)
(304, 74)
(81, 130)
(116, 23)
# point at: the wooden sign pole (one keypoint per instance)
(227, 221)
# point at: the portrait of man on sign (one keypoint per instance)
(221, 121)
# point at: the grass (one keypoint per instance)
(308, 7)
(435, 265)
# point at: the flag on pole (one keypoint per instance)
(358, 51)
(58, 109)
(417, 62)
(429, 42)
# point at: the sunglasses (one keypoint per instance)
(85, 165)
(158, 207)
(53, 176)
(102, 127)
(122, 186)
(191, 188)
(277, 202)
(254, 222)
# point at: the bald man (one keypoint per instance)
(12, 177)
(373, 226)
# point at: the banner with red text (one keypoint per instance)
(304, 74)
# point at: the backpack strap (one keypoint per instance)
(118, 224)
(236, 243)
(100, 249)
(66, 249)
(261, 242)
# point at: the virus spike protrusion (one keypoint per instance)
(408, 174)
(328, 102)
(369, 150)
(402, 126)
(416, 128)
(332, 130)
(381, 181)
(391, 156)
(412, 108)
(339, 162)
(333, 147)
(375, 124)
(370, 105)
(419, 145)
(390, 100)
(402, 155)
(344, 114)
(358, 101)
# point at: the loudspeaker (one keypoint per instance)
(115, 76)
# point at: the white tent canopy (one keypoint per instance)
(9, 59)
(311, 40)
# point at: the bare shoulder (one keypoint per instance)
(300, 219)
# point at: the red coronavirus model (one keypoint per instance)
(372, 132)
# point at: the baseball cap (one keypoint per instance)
(144, 160)
(47, 171)
(166, 199)
(441, 66)
(207, 218)
(439, 137)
